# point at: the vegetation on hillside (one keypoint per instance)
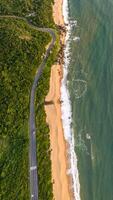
(21, 50)
(39, 11)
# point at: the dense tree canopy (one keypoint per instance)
(21, 51)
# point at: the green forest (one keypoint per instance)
(21, 52)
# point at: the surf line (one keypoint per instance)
(66, 107)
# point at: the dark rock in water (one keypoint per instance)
(66, 24)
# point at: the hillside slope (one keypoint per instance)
(21, 51)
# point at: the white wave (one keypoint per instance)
(79, 94)
(65, 11)
(73, 23)
(88, 136)
(66, 107)
(76, 39)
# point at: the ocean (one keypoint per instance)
(87, 96)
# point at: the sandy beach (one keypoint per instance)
(58, 13)
(61, 186)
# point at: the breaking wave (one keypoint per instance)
(66, 106)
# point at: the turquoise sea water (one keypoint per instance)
(91, 89)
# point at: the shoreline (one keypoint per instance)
(62, 182)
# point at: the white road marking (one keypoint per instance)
(33, 168)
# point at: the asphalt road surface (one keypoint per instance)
(32, 125)
(33, 160)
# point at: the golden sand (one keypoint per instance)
(61, 180)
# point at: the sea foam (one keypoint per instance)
(66, 107)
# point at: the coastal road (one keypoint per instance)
(33, 167)
(33, 160)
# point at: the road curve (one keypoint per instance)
(33, 168)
